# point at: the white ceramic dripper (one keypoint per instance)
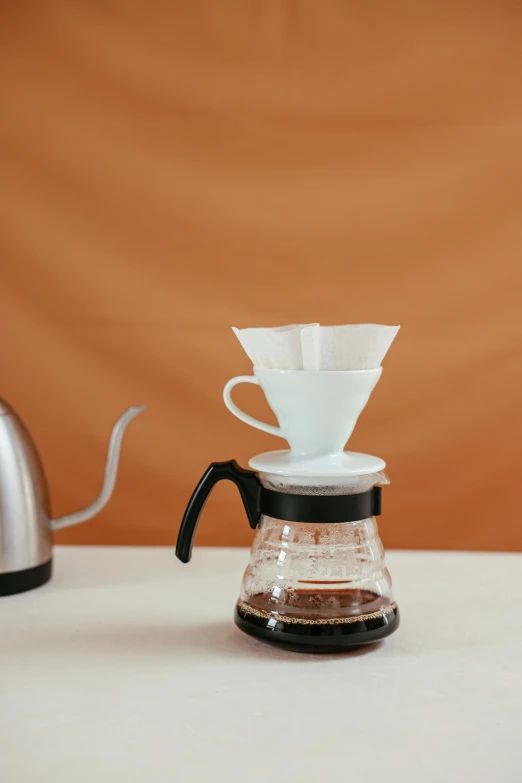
(317, 380)
(317, 411)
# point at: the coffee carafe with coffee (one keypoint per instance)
(316, 580)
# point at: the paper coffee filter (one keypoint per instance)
(354, 346)
(276, 348)
(315, 347)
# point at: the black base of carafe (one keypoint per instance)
(14, 582)
(315, 637)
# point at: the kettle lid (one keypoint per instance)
(5, 408)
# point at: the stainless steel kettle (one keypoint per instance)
(25, 518)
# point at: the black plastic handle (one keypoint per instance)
(249, 487)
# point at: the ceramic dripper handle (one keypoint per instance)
(250, 490)
(233, 408)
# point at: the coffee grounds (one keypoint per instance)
(328, 620)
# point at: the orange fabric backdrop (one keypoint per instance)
(170, 170)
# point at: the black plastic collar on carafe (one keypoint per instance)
(259, 501)
(320, 508)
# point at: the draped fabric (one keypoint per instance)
(169, 170)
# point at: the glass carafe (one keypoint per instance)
(317, 585)
(314, 585)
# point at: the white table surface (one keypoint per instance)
(127, 667)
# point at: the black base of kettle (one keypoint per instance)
(21, 581)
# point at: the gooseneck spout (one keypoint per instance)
(111, 470)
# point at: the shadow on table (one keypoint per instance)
(197, 642)
(225, 637)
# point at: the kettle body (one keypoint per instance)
(26, 526)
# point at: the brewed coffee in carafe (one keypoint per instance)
(316, 580)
